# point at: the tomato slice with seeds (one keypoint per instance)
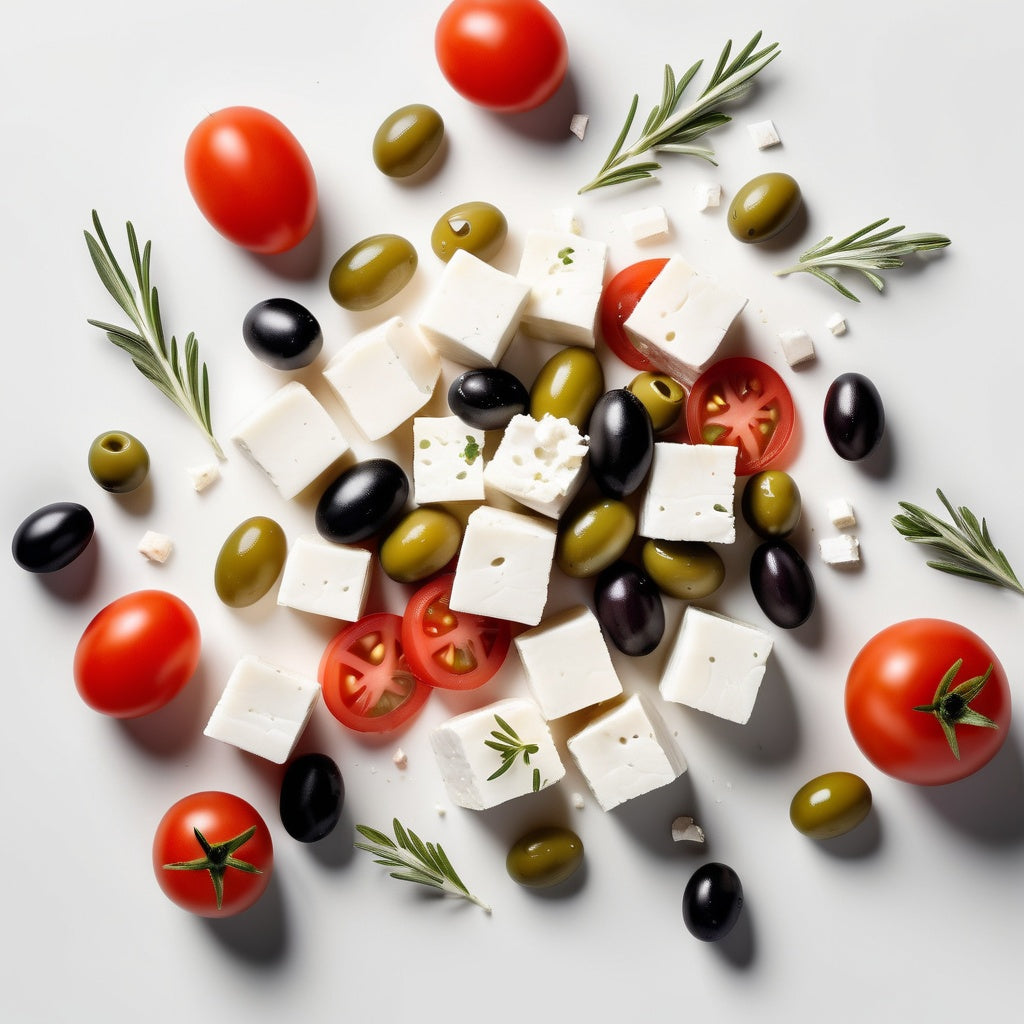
(743, 402)
(366, 681)
(618, 300)
(451, 650)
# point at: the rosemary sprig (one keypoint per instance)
(865, 251)
(159, 363)
(672, 132)
(415, 861)
(507, 742)
(966, 543)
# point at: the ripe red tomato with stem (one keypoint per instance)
(618, 300)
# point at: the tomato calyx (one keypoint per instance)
(952, 707)
(217, 858)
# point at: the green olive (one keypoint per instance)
(830, 805)
(771, 503)
(249, 562)
(662, 397)
(568, 385)
(763, 207)
(118, 461)
(424, 542)
(479, 228)
(591, 538)
(688, 569)
(407, 139)
(372, 271)
(544, 857)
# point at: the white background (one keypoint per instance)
(885, 109)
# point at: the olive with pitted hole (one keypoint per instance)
(118, 461)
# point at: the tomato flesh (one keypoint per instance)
(618, 300)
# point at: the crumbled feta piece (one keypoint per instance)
(843, 549)
(400, 759)
(797, 346)
(204, 476)
(325, 578)
(841, 513)
(157, 547)
(447, 460)
(685, 829)
(836, 323)
(578, 802)
(578, 125)
(648, 222)
(708, 195)
(764, 134)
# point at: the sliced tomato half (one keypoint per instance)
(618, 300)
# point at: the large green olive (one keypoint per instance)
(568, 385)
(689, 569)
(407, 139)
(662, 397)
(372, 271)
(250, 561)
(118, 461)
(544, 857)
(771, 503)
(830, 805)
(764, 206)
(479, 228)
(424, 542)
(593, 537)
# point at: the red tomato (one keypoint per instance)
(452, 650)
(367, 682)
(911, 721)
(618, 300)
(251, 179)
(742, 402)
(507, 55)
(137, 654)
(212, 854)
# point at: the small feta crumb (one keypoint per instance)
(157, 547)
(684, 829)
(578, 802)
(708, 195)
(843, 549)
(578, 125)
(840, 512)
(797, 346)
(400, 758)
(836, 323)
(203, 476)
(646, 223)
(764, 134)
(441, 810)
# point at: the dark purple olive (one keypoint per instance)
(782, 584)
(362, 501)
(712, 902)
(629, 607)
(621, 442)
(282, 334)
(312, 794)
(854, 416)
(52, 537)
(487, 398)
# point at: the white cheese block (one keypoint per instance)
(797, 346)
(836, 323)
(447, 460)
(578, 125)
(708, 195)
(157, 547)
(626, 753)
(203, 476)
(843, 549)
(716, 664)
(325, 578)
(764, 134)
(646, 223)
(841, 513)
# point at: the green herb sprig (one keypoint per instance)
(187, 388)
(507, 742)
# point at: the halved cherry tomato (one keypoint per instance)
(452, 650)
(367, 683)
(743, 402)
(618, 300)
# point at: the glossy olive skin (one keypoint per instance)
(422, 543)
(782, 584)
(250, 560)
(479, 228)
(830, 805)
(763, 207)
(594, 536)
(488, 398)
(771, 503)
(854, 416)
(52, 537)
(712, 901)
(662, 397)
(544, 857)
(407, 139)
(629, 607)
(312, 795)
(688, 569)
(621, 443)
(362, 501)
(118, 461)
(568, 386)
(372, 271)
(282, 333)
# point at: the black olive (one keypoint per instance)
(282, 334)
(312, 794)
(854, 416)
(621, 442)
(629, 607)
(782, 584)
(52, 537)
(362, 501)
(487, 398)
(712, 902)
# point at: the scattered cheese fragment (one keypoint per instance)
(447, 460)
(646, 223)
(325, 579)
(764, 134)
(841, 513)
(685, 829)
(203, 476)
(400, 759)
(843, 549)
(578, 802)
(708, 195)
(157, 547)
(578, 125)
(836, 323)
(797, 346)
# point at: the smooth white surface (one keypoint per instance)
(899, 109)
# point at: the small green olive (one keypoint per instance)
(118, 461)
(593, 537)
(544, 857)
(830, 805)
(689, 569)
(479, 228)
(568, 385)
(249, 562)
(771, 503)
(372, 271)
(424, 542)
(662, 397)
(763, 207)
(407, 139)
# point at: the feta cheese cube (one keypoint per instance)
(567, 663)
(447, 460)
(841, 513)
(468, 764)
(843, 549)
(690, 493)
(578, 125)
(764, 134)
(836, 323)
(263, 709)
(204, 476)
(291, 437)
(646, 223)
(626, 752)
(157, 547)
(325, 578)
(504, 566)
(797, 346)
(384, 375)
(708, 195)
(716, 665)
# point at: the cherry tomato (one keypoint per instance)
(927, 701)
(137, 654)
(366, 681)
(251, 179)
(506, 55)
(618, 300)
(743, 402)
(452, 650)
(212, 854)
